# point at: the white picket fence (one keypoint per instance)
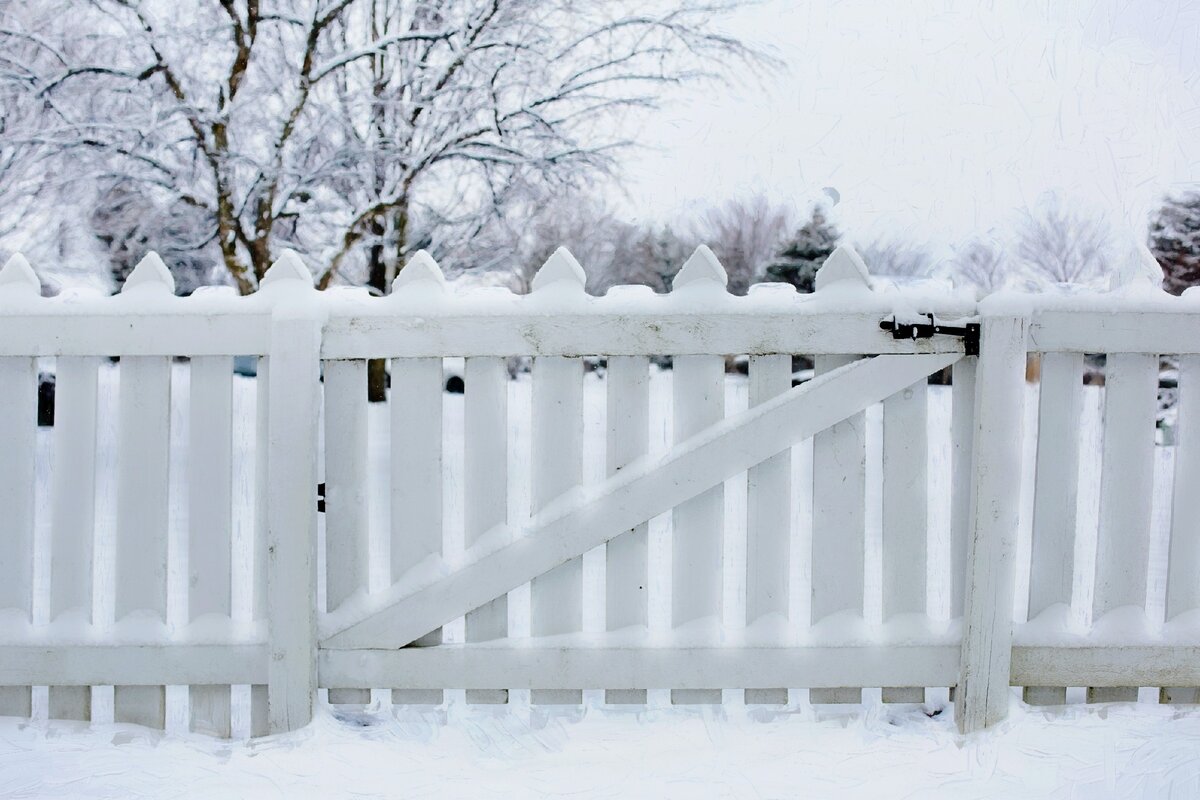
(199, 596)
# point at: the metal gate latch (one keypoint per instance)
(925, 330)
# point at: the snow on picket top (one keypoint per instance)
(420, 273)
(18, 278)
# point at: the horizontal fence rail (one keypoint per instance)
(233, 503)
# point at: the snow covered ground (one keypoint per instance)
(1117, 751)
(1127, 750)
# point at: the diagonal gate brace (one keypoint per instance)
(582, 519)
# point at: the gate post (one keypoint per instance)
(293, 407)
(982, 696)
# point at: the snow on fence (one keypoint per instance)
(162, 555)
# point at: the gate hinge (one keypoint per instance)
(925, 330)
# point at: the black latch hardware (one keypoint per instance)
(926, 330)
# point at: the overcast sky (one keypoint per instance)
(938, 118)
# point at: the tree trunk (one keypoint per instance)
(377, 377)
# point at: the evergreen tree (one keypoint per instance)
(804, 253)
(1175, 241)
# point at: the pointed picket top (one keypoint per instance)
(150, 272)
(421, 269)
(701, 268)
(843, 264)
(560, 268)
(288, 267)
(18, 276)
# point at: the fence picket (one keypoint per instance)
(18, 431)
(982, 693)
(962, 467)
(1183, 563)
(346, 550)
(768, 520)
(905, 513)
(259, 716)
(1060, 406)
(210, 519)
(142, 510)
(627, 556)
(557, 596)
(1126, 492)
(697, 525)
(485, 485)
(416, 448)
(839, 523)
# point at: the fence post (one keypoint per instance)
(982, 695)
(293, 407)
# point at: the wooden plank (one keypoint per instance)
(262, 463)
(1119, 329)
(981, 698)
(905, 513)
(73, 510)
(87, 329)
(346, 526)
(839, 522)
(1060, 408)
(210, 519)
(1126, 491)
(556, 597)
(698, 525)
(627, 384)
(1183, 565)
(18, 432)
(132, 664)
(142, 513)
(485, 486)
(416, 524)
(962, 425)
(768, 518)
(635, 494)
(291, 525)
(1112, 666)
(481, 326)
(142, 475)
(642, 667)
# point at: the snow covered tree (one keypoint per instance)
(896, 256)
(353, 129)
(744, 233)
(1175, 241)
(983, 262)
(804, 253)
(1064, 245)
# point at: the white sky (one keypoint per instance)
(937, 118)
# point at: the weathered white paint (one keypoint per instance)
(697, 525)
(1126, 487)
(416, 480)
(210, 518)
(632, 496)
(627, 573)
(291, 520)
(485, 486)
(133, 665)
(18, 430)
(1183, 577)
(905, 513)
(839, 522)
(1052, 564)
(346, 539)
(962, 466)
(692, 668)
(556, 596)
(768, 518)
(981, 698)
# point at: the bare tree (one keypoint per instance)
(745, 233)
(354, 129)
(1063, 245)
(896, 256)
(983, 262)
